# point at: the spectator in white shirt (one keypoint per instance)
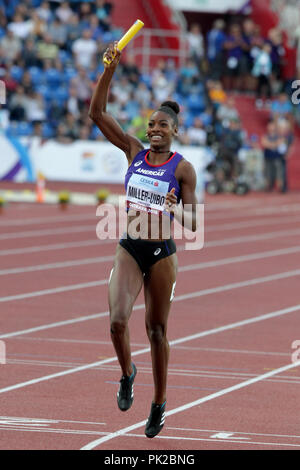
(64, 12)
(196, 134)
(11, 46)
(196, 43)
(84, 49)
(20, 27)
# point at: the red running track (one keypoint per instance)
(233, 380)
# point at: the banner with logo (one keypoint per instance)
(15, 161)
(81, 161)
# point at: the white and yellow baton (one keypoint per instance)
(135, 28)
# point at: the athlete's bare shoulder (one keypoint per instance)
(185, 172)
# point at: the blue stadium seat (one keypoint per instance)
(37, 75)
(146, 79)
(196, 103)
(61, 94)
(47, 131)
(24, 129)
(132, 109)
(69, 73)
(53, 78)
(64, 56)
(17, 73)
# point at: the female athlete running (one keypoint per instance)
(156, 180)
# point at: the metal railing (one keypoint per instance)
(142, 47)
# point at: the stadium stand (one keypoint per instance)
(50, 58)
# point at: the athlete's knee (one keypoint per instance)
(156, 333)
(118, 322)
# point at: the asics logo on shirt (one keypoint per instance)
(138, 163)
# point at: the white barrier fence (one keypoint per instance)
(81, 161)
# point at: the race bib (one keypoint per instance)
(146, 194)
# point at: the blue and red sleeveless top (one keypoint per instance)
(147, 185)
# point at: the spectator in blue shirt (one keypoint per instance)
(282, 108)
(215, 42)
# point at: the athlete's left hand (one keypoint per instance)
(171, 201)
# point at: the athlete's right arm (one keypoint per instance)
(106, 123)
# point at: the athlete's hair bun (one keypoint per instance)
(171, 104)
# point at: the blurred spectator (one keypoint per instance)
(12, 46)
(122, 89)
(59, 32)
(230, 145)
(72, 126)
(227, 112)
(39, 26)
(62, 134)
(270, 144)
(216, 92)
(196, 44)
(64, 12)
(95, 28)
(83, 85)
(139, 124)
(103, 12)
(277, 51)
(235, 47)
(46, 49)
(130, 70)
(262, 70)
(282, 107)
(35, 107)
(188, 78)
(10, 83)
(26, 82)
(143, 94)
(285, 134)
(73, 102)
(20, 27)
(74, 30)
(196, 133)
(215, 42)
(44, 12)
(255, 41)
(85, 49)
(29, 54)
(17, 105)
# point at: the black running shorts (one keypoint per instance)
(146, 253)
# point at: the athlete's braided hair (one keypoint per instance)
(172, 109)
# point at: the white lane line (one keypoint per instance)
(94, 242)
(181, 269)
(68, 230)
(203, 265)
(55, 290)
(47, 220)
(147, 349)
(233, 432)
(250, 224)
(216, 440)
(187, 406)
(62, 264)
(52, 247)
(55, 325)
(141, 306)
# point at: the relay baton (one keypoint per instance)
(135, 28)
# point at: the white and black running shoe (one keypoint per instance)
(125, 394)
(156, 420)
